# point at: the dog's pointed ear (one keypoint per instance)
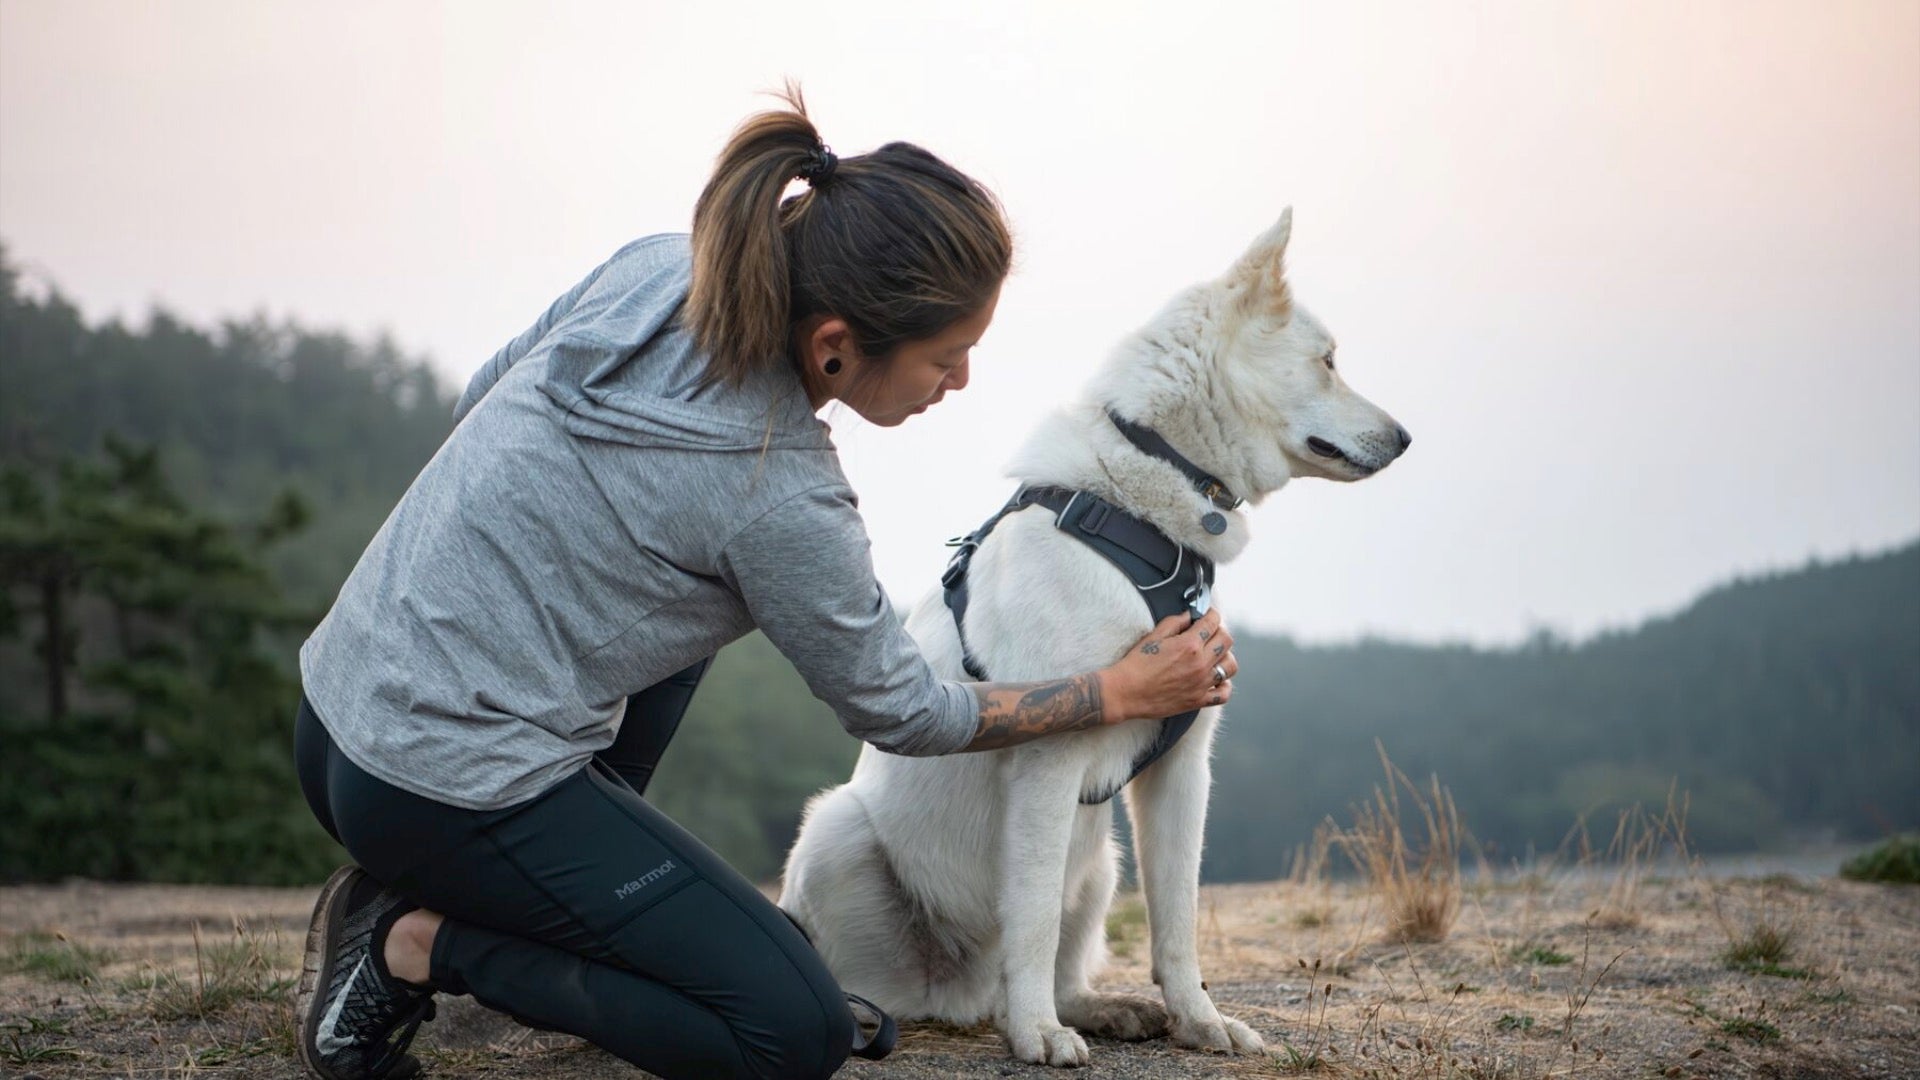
(1260, 275)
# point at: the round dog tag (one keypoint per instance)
(1214, 522)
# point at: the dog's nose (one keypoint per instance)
(1406, 440)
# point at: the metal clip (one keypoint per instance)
(957, 565)
(1199, 598)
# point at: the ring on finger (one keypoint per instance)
(1219, 674)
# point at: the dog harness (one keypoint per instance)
(1171, 578)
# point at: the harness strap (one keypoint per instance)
(1171, 579)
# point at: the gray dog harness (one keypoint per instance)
(1171, 579)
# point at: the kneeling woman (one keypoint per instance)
(635, 481)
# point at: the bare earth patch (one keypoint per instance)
(163, 981)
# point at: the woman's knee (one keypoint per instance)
(807, 1041)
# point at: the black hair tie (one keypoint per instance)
(819, 168)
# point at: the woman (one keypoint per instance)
(633, 482)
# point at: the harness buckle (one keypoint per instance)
(1199, 597)
(957, 566)
(1093, 519)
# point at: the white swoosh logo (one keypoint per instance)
(328, 1042)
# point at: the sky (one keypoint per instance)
(1642, 279)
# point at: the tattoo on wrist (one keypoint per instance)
(1012, 713)
(1150, 648)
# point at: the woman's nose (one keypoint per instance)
(957, 378)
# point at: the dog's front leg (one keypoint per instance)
(1037, 830)
(1167, 804)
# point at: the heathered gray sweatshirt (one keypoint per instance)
(598, 521)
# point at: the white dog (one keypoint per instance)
(976, 885)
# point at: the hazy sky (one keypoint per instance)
(1643, 279)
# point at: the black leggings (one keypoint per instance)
(587, 911)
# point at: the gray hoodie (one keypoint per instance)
(599, 520)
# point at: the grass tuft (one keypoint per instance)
(1895, 859)
(1542, 955)
(1748, 1027)
(1763, 944)
(55, 957)
(31, 1039)
(1419, 890)
(225, 974)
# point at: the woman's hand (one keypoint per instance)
(1181, 665)
(1176, 668)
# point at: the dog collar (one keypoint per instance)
(1150, 443)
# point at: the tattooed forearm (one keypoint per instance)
(1012, 713)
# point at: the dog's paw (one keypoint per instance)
(1049, 1044)
(1245, 1039)
(1115, 1016)
(1221, 1034)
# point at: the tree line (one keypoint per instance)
(178, 506)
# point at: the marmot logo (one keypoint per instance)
(644, 880)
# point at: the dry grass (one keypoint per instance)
(1628, 1003)
(54, 956)
(1306, 880)
(1419, 889)
(251, 967)
(1126, 924)
(1641, 840)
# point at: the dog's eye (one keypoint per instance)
(1328, 360)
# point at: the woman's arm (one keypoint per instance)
(804, 571)
(1168, 672)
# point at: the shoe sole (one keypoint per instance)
(321, 932)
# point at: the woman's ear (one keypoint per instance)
(828, 349)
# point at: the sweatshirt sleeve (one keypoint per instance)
(806, 574)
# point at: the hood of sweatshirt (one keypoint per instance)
(613, 354)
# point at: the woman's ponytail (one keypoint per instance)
(740, 304)
(896, 242)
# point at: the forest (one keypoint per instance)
(178, 505)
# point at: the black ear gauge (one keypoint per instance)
(833, 365)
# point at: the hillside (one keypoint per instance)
(1784, 704)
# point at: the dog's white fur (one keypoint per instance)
(975, 886)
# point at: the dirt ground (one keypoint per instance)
(165, 981)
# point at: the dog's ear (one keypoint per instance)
(1260, 275)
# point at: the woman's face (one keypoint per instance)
(920, 373)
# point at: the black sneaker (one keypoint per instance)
(356, 1021)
